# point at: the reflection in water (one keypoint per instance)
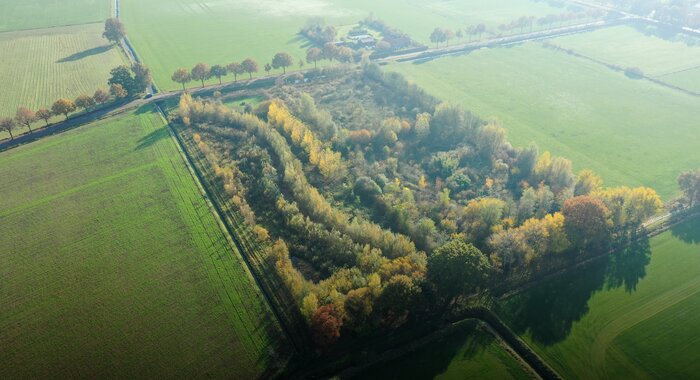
(549, 310)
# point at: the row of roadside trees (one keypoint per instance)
(202, 72)
(26, 116)
(445, 35)
(124, 82)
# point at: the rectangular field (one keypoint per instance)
(40, 66)
(113, 265)
(632, 132)
(34, 14)
(631, 317)
(169, 34)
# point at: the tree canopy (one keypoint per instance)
(63, 107)
(282, 60)
(114, 30)
(458, 268)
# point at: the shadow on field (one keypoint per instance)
(688, 232)
(628, 266)
(86, 53)
(303, 42)
(152, 138)
(434, 358)
(548, 311)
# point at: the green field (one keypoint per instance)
(469, 352)
(629, 47)
(626, 46)
(632, 132)
(418, 18)
(34, 14)
(40, 66)
(687, 79)
(169, 34)
(632, 317)
(113, 265)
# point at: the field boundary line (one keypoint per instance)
(639, 314)
(51, 27)
(620, 69)
(678, 71)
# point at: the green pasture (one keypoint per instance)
(654, 53)
(632, 132)
(687, 79)
(468, 352)
(40, 66)
(629, 317)
(113, 265)
(34, 14)
(169, 34)
(419, 18)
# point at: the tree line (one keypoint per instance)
(123, 82)
(202, 72)
(445, 35)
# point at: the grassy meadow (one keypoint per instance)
(40, 66)
(469, 352)
(169, 34)
(418, 18)
(632, 317)
(114, 266)
(632, 132)
(34, 14)
(630, 46)
(687, 79)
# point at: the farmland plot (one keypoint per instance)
(40, 66)
(110, 252)
(630, 317)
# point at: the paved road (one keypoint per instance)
(504, 41)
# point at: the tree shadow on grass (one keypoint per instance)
(152, 138)
(548, 311)
(302, 41)
(628, 266)
(688, 232)
(433, 359)
(86, 53)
